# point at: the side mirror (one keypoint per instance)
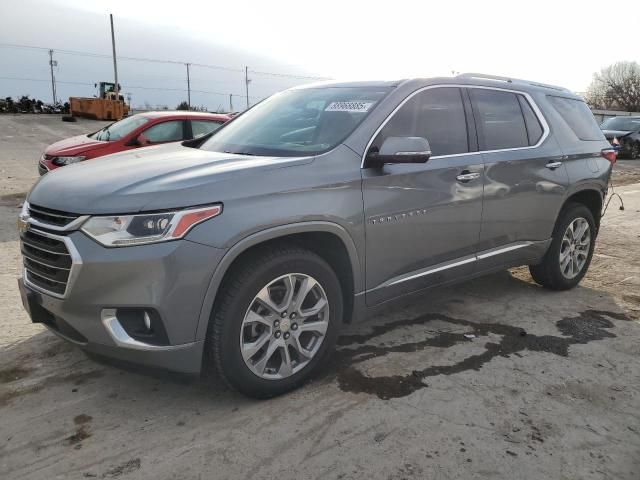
(139, 141)
(400, 150)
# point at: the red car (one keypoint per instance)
(143, 129)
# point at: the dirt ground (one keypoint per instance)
(548, 388)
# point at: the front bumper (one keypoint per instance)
(43, 167)
(45, 164)
(168, 278)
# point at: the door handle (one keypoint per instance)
(553, 165)
(467, 176)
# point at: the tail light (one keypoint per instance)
(610, 154)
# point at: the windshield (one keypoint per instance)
(120, 129)
(621, 123)
(297, 122)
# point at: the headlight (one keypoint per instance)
(67, 160)
(126, 230)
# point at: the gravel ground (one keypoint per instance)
(548, 388)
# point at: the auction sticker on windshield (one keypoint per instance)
(354, 106)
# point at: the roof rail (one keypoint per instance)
(512, 80)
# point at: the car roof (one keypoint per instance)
(185, 113)
(470, 79)
(356, 84)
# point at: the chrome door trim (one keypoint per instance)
(545, 126)
(455, 263)
(501, 250)
(428, 271)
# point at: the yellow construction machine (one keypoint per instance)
(104, 107)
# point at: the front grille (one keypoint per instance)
(47, 261)
(42, 169)
(53, 217)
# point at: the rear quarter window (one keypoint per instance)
(578, 116)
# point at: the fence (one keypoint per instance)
(602, 115)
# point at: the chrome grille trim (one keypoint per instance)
(41, 275)
(75, 221)
(31, 259)
(49, 214)
(37, 247)
(76, 262)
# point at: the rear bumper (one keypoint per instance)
(169, 279)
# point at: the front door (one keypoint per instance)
(423, 220)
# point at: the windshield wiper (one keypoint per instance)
(242, 153)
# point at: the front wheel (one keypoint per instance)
(276, 320)
(570, 252)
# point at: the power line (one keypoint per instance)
(132, 87)
(155, 60)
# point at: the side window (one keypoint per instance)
(436, 114)
(534, 129)
(165, 132)
(202, 127)
(577, 115)
(499, 119)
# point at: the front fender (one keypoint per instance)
(270, 234)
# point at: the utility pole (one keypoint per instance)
(188, 87)
(52, 63)
(115, 63)
(246, 83)
(230, 102)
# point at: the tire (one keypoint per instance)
(268, 269)
(634, 151)
(550, 273)
(69, 118)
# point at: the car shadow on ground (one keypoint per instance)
(498, 311)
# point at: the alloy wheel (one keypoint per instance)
(284, 326)
(574, 249)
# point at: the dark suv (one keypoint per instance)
(316, 207)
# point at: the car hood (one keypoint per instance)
(615, 133)
(74, 146)
(152, 178)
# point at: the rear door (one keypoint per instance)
(423, 220)
(525, 179)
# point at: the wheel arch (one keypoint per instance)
(590, 196)
(331, 241)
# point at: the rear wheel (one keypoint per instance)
(276, 321)
(570, 252)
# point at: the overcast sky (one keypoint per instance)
(556, 41)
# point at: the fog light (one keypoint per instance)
(143, 324)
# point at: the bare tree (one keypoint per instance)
(616, 87)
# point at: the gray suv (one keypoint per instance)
(245, 252)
